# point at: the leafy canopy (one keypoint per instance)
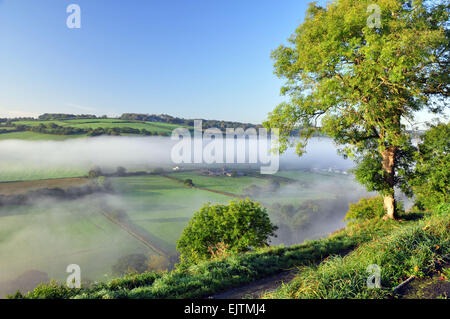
(239, 226)
(361, 83)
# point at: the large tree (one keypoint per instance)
(359, 79)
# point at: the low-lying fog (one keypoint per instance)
(137, 153)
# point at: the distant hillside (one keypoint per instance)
(54, 125)
(164, 118)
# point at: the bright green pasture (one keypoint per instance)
(235, 185)
(18, 172)
(109, 123)
(301, 187)
(32, 136)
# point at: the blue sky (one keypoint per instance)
(189, 58)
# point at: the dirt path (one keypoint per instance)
(258, 288)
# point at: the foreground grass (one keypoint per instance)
(412, 250)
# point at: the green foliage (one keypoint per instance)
(130, 264)
(188, 182)
(95, 172)
(241, 225)
(369, 169)
(366, 208)
(432, 172)
(442, 208)
(359, 83)
(52, 290)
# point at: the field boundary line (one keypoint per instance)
(129, 230)
(203, 188)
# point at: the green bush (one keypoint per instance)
(240, 226)
(130, 263)
(431, 184)
(188, 182)
(365, 208)
(368, 208)
(52, 290)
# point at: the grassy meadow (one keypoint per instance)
(157, 128)
(33, 136)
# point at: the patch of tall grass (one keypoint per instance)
(411, 249)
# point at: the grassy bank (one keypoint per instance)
(415, 249)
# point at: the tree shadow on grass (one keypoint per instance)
(412, 216)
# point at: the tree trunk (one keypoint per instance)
(389, 206)
(389, 173)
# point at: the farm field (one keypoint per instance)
(9, 188)
(107, 123)
(235, 185)
(33, 136)
(18, 172)
(50, 235)
(295, 186)
(162, 206)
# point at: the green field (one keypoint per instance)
(19, 172)
(49, 236)
(32, 136)
(295, 186)
(162, 206)
(154, 127)
(221, 183)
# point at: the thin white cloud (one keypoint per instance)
(81, 107)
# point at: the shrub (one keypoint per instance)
(188, 182)
(366, 208)
(121, 171)
(94, 172)
(431, 184)
(130, 263)
(239, 226)
(158, 263)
